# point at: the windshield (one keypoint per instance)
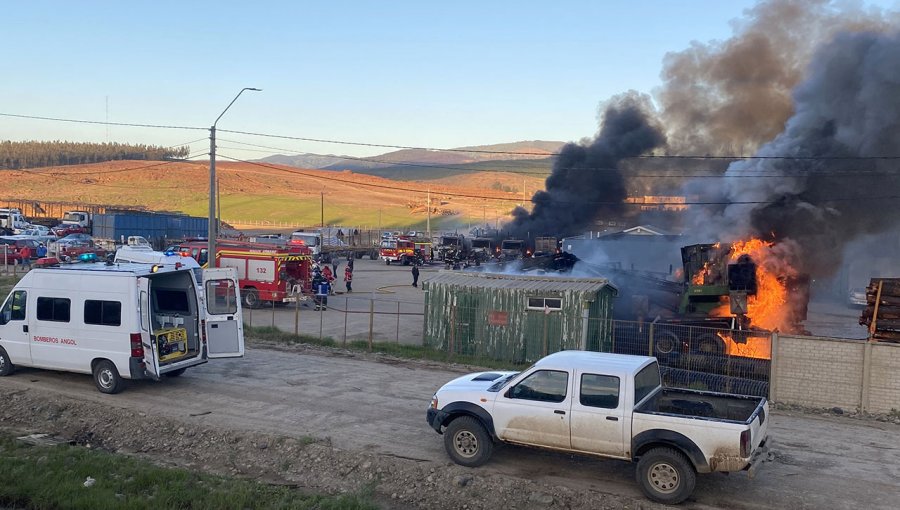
(388, 244)
(503, 381)
(72, 217)
(306, 239)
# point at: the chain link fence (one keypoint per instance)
(704, 358)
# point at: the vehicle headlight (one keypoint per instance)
(434, 401)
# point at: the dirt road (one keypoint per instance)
(377, 407)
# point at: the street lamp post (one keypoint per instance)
(213, 230)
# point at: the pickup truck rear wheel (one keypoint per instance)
(666, 476)
(467, 442)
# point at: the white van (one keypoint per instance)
(120, 321)
(146, 255)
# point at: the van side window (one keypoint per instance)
(221, 297)
(14, 310)
(53, 309)
(599, 391)
(543, 386)
(103, 313)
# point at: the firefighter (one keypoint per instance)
(415, 275)
(348, 279)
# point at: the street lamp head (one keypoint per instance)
(254, 89)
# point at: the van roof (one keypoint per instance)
(118, 269)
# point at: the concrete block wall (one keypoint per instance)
(884, 378)
(834, 372)
(817, 372)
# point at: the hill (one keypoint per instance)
(277, 193)
(401, 164)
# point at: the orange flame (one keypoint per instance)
(759, 347)
(767, 309)
(700, 276)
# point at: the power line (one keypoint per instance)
(459, 150)
(592, 202)
(101, 123)
(545, 174)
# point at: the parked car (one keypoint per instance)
(857, 297)
(9, 252)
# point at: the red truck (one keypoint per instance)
(266, 273)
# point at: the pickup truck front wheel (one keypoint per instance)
(666, 476)
(467, 442)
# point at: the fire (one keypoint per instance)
(700, 276)
(768, 308)
(759, 347)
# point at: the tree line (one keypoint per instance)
(34, 154)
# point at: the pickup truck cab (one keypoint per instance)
(604, 405)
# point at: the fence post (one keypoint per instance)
(346, 313)
(650, 336)
(297, 315)
(398, 322)
(250, 317)
(371, 321)
(545, 333)
(452, 330)
(321, 320)
(273, 314)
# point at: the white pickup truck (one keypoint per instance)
(606, 405)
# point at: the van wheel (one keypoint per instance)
(175, 373)
(6, 366)
(666, 476)
(467, 442)
(107, 378)
(251, 298)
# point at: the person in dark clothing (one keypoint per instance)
(415, 273)
(334, 265)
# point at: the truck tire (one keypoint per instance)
(467, 442)
(107, 378)
(175, 373)
(666, 476)
(250, 297)
(6, 366)
(711, 345)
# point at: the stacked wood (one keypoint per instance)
(882, 312)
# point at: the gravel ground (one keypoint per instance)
(333, 421)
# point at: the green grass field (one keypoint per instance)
(40, 477)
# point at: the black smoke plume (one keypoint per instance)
(832, 178)
(586, 181)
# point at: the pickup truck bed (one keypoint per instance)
(700, 404)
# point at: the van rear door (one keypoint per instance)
(224, 322)
(151, 360)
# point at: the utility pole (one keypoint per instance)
(323, 210)
(428, 205)
(213, 230)
(379, 220)
(219, 201)
(524, 193)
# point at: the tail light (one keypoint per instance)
(745, 443)
(203, 332)
(434, 402)
(137, 349)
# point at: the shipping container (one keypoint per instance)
(154, 227)
(516, 318)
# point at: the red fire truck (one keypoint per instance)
(266, 273)
(400, 249)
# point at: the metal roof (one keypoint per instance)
(523, 282)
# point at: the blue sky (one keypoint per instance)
(437, 74)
